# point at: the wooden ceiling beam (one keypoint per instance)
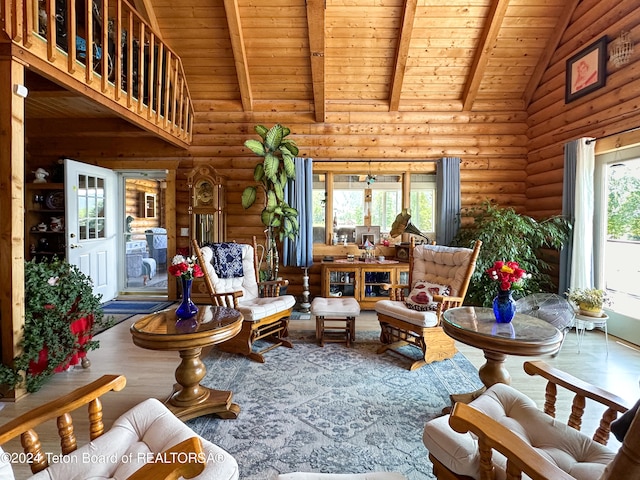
(402, 53)
(485, 45)
(239, 53)
(316, 27)
(552, 44)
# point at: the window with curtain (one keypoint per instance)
(363, 199)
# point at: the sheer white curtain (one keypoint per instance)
(577, 261)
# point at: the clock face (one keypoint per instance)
(203, 194)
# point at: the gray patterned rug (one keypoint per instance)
(331, 409)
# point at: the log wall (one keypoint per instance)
(605, 112)
(511, 157)
(492, 146)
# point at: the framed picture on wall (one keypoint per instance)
(586, 71)
(365, 232)
(147, 205)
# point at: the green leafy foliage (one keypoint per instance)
(589, 297)
(56, 294)
(623, 207)
(272, 175)
(510, 236)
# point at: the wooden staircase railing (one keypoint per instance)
(139, 72)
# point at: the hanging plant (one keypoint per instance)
(61, 312)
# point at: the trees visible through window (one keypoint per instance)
(618, 209)
(363, 199)
(622, 257)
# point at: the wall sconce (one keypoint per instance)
(621, 49)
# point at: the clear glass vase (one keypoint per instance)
(504, 306)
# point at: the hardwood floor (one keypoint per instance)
(151, 374)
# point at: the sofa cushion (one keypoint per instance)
(247, 283)
(6, 470)
(421, 296)
(399, 310)
(258, 308)
(442, 265)
(569, 449)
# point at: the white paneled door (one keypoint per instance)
(91, 218)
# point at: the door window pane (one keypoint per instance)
(622, 266)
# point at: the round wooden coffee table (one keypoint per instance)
(212, 325)
(525, 335)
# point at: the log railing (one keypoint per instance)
(139, 72)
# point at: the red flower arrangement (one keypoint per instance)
(508, 274)
(185, 267)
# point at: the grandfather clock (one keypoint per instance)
(207, 207)
(207, 214)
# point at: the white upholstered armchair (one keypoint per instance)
(231, 276)
(438, 279)
(503, 433)
(147, 442)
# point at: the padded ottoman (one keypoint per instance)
(330, 314)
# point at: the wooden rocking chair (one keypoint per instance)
(266, 312)
(404, 322)
(503, 434)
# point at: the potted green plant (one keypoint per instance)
(508, 235)
(589, 301)
(272, 175)
(61, 313)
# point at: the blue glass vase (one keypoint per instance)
(187, 308)
(504, 306)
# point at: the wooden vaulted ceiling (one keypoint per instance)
(325, 56)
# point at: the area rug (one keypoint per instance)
(330, 409)
(133, 307)
(295, 315)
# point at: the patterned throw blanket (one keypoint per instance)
(227, 259)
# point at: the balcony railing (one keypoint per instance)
(128, 63)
